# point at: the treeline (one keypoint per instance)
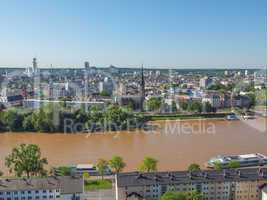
(156, 104)
(55, 118)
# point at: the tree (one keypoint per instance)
(1, 173)
(207, 107)
(195, 107)
(194, 167)
(86, 175)
(234, 164)
(28, 123)
(104, 93)
(26, 160)
(148, 165)
(218, 166)
(101, 166)
(154, 103)
(195, 195)
(173, 107)
(117, 164)
(13, 120)
(184, 105)
(43, 119)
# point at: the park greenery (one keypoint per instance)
(171, 195)
(56, 118)
(90, 185)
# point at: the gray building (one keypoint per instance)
(231, 184)
(55, 188)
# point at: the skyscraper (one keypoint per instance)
(34, 65)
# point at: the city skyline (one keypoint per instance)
(175, 34)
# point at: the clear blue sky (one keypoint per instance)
(175, 33)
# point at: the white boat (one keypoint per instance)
(245, 160)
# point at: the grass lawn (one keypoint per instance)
(97, 184)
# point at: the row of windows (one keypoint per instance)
(31, 198)
(27, 192)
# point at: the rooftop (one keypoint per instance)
(176, 177)
(66, 184)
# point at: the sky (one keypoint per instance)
(127, 33)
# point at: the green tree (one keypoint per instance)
(184, 105)
(26, 160)
(43, 119)
(102, 166)
(173, 106)
(154, 103)
(195, 107)
(194, 196)
(86, 175)
(28, 123)
(207, 107)
(218, 166)
(194, 167)
(234, 164)
(117, 164)
(104, 94)
(1, 173)
(13, 120)
(148, 165)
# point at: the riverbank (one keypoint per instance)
(201, 116)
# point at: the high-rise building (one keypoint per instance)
(34, 65)
(205, 82)
(86, 65)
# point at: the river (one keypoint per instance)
(175, 144)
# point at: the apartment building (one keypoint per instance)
(50, 188)
(230, 184)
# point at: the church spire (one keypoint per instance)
(142, 88)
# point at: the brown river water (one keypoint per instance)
(175, 144)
